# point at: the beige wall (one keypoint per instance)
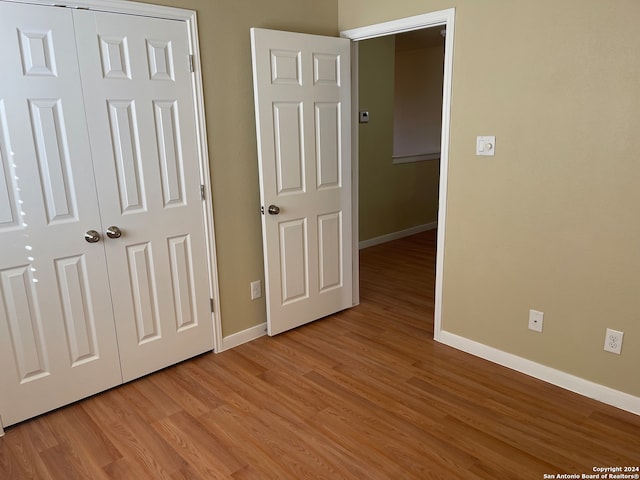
(228, 91)
(392, 197)
(417, 104)
(552, 222)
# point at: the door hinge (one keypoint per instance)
(212, 307)
(202, 192)
(192, 63)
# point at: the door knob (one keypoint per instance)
(273, 210)
(92, 236)
(114, 232)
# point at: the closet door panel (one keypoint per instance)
(57, 335)
(138, 87)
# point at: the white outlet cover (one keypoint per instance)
(256, 289)
(613, 341)
(536, 320)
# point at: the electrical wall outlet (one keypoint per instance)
(256, 289)
(535, 320)
(613, 341)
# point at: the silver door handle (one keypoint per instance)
(273, 210)
(92, 236)
(114, 232)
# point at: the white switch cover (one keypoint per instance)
(256, 289)
(486, 145)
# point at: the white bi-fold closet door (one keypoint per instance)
(97, 138)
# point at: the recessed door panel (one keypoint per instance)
(169, 151)
(114, 54)
(36, 49)
(286, 67)
(294, 257)
(160, 60)
(125, 143)
(326, 69)
(9, 216)
(288, 142)
(52, 149)
(145, 294)
(77, 306)
(330, 250)
(182, 281)
(328, 144)
(25, 323)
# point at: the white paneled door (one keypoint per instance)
(96, 131)
(57, 336)
(302, 89)
(137, 89)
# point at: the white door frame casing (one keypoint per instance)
(440, 18)
(190, 17)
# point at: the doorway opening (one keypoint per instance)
(445, 21)
(400, 99)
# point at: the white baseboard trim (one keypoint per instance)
(397, 160)
(236, 339)
(396, 235)
(561, 379)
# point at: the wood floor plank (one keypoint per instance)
(74, 428)
(363, 394)
(227, 424)
(40, 436)
(149, 401)
(20, 456)
(188, 399)
(132, 436)
(128, 468)
(198, 447)
(69, 462)
(388, 451)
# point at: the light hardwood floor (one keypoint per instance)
(362, 394)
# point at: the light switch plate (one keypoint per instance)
(486, 145)
(256, 289)
(364, 117)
